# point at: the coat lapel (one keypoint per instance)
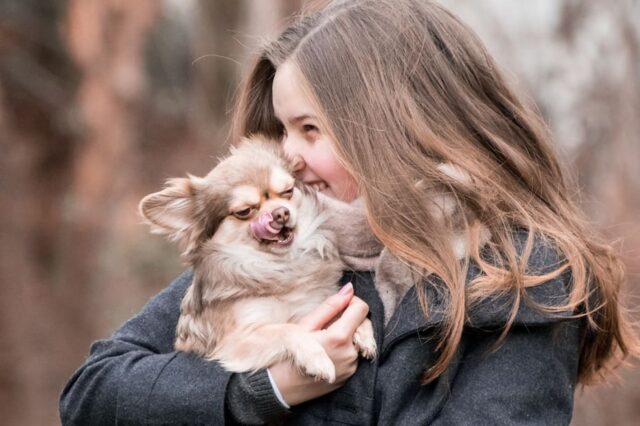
(409, 319)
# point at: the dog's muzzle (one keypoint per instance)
(270, 227)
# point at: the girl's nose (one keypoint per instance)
(298, 163)
(292, 150)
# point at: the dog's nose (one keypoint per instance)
(280, 217)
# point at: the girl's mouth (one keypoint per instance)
(319, 185)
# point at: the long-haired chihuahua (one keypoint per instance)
(261, 259)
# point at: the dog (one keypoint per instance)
(262, 257)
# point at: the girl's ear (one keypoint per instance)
(173, 211)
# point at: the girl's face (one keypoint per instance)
(306, 141)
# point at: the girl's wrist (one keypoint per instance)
(276, 390)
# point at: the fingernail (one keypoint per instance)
(346, 289)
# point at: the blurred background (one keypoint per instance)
(102, 100)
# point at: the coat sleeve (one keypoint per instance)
(135, 376)
(528, 380)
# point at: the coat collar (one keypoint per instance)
(492, 313)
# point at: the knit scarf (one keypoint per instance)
(360, 250)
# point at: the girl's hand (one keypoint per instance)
(337, 340)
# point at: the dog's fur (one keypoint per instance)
(248, 293)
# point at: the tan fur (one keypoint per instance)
(246, 295)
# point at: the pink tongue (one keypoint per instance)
(261, 228)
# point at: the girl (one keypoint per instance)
(506, 301)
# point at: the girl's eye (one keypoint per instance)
(243, 214)
(287, 194)
(310, 128)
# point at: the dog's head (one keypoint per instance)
(250, 199)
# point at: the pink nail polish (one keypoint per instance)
(346, 289)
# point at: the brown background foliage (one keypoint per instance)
(101, 100)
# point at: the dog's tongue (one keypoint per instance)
(261, 228)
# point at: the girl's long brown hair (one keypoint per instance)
(405, 86)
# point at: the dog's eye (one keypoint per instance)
(243, 214)
(287, 194)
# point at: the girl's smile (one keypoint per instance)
(305, 140)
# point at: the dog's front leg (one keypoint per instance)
(261, 346)
(364, 340)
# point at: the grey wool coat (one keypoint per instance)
(135, 377)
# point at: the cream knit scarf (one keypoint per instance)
(360, 250)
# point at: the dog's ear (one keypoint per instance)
(174, 211)
(170, 210)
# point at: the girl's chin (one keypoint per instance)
(345, 199)
(328, 191)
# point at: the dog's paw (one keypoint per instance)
(321, 368)
(365, 341)
(312, 359)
